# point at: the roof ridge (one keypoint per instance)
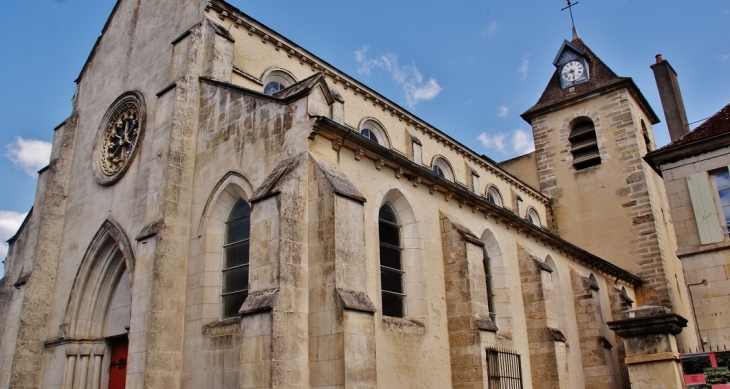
(717, 124)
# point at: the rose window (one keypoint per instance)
(120, 138)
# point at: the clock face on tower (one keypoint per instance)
(573, 72)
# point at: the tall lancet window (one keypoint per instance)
(391, 264)
(490, 286)
(235, 258)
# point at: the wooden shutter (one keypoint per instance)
(708, 224)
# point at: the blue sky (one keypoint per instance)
(467, 67)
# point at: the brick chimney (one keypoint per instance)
(674, 113)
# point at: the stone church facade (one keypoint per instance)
(223, 209)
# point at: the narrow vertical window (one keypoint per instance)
(645, 133)
(235, 258)
(438, 171)
(722, 183)
(391, 264)
(490, 287)
(533, 217)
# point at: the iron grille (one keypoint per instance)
(504, 369)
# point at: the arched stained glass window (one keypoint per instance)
(235, 258)
(391, 264)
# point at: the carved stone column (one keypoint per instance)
(649, 335)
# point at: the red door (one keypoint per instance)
(118, 366)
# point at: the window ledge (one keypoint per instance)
(399, 324)
(689, 251)
(223, 327)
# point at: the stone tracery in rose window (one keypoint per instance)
(120, 138)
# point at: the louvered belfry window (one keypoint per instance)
(583, 144)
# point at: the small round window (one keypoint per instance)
(118, 138)
(276, 81)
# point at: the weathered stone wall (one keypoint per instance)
(241, 141)
(620, 302)
(598, 364)
(30, 308)
(548, 354)
(467, 308)
(341, 318)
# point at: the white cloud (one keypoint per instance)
(29, 154)
(522, 142)
(492, 141)
(9, 224)
(725, 57)
(524, 66)
(518, 141)
(503, 111)
(408, 77)
(726, 12)
(491, 28)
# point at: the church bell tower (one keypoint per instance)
(592, 129)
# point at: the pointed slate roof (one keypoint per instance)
(601, 77)
(713, 134)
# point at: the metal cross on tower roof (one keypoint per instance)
(570, 8)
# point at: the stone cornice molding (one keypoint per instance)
(627, 83)
(422, 176)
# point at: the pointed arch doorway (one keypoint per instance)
(98, 314)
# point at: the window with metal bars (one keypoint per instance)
(235, 258)
(583, 143)
(504, 369)
(391, 264)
